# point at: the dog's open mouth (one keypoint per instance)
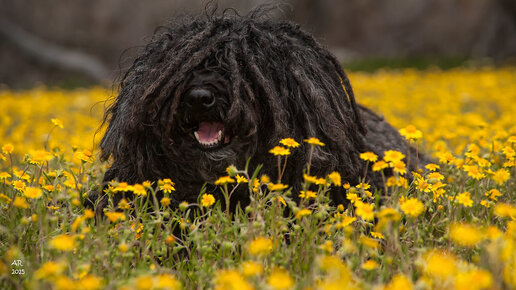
(210, 134)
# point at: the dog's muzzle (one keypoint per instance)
(209, 132)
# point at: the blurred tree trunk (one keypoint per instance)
(51, 54)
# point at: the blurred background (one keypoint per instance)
(83, 42)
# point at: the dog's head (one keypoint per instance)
(211, 92)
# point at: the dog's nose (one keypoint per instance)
(200, 98)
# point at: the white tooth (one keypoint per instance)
(219, 138)
(197, 137)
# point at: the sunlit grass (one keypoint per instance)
(454, 226)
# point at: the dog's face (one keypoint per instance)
(202, 112)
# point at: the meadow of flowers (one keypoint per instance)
(452, 227)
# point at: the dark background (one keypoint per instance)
(60, 42)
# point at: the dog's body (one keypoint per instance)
(217, 91)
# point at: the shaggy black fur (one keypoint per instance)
(255, 80)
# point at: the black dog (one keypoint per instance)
(219, 90)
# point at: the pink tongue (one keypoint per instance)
(209, 131)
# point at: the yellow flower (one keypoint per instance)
(432, 167)
(165, 201)
(166, 281)
(399, 167)
(475, 279)
(33, 192)
(230, 280)
(90, 282)
(63, 242)
(389, 214)
(260, 246)
(303, 212)
(474, 171)
(289, 142)
(412, 207)
(280, 279)
(399, 282)
(224, 180)
(167, 188)
(485, 203)
(370, 265)
(166, 185)
(309, 178)
(251, 268)
(20, 202)
(493, 233)
(48, 188)
(4, 175)
(314, 141)
(122, 186)
(139, 189)
(240, 179)
(364, 210)
(502, 210)
(19, 185)
(335, 267)
(335, 178)
(445, 157)
(277, 187)
(115, 216)
(40, 156)
(377, 235)
(57, 123)
(508, 152)
(493, 194)
(85, 155)
(411, 133)
(380, 165)
(423, 185)
(501, 176)
(393, 156)
(369, 242)
(88, 213)
(353, 197)
(144, 282)
(280, 150)
(363, 185)
(346, 221)
(327, 246)
(439, 264)
(123, 247)
(4, 198)
(435, 176)
(308, 194)
(207, 200)
(49, 270)
(466, 235)
(321, 181)
(369, 156)
(8, 148)
(264, 179)
(464, 199)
